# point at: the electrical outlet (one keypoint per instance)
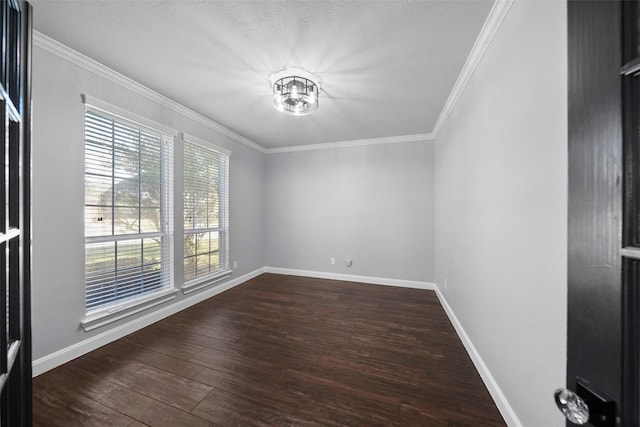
(235, 265)
(446, 284)
(333, 261)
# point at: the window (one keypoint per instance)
(206, 213)
(128, 210)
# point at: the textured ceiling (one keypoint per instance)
(386, 67)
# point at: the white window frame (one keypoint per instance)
(223, 224)
(101, 316)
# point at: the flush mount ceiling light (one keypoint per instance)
(295, 91)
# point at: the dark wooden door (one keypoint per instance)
(15, 334)
(603, 333)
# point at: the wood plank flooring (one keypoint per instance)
(278, 351)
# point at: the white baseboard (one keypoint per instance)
(67, 354)
(498, 396)
(353, 278)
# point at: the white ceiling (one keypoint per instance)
(387, 67)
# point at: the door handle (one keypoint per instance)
(586, 405)
(572, 406)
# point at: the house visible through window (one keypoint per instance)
(128, 210)
(205, 211)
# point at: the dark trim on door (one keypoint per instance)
(15, 214)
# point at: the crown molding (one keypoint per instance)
(66, 53)
(352, 143)
(496, 15)
(495, 18)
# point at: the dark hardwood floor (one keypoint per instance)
(278, 351)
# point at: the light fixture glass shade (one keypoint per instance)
(295, 92)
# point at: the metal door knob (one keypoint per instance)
(572, 406)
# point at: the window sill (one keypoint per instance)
(198, 284)
(129, 308)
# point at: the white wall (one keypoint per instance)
(58, 195)
(501, 209)
(372, 204)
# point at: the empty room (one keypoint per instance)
(320, 213)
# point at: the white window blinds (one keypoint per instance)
(206, 211)
(128, 210)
